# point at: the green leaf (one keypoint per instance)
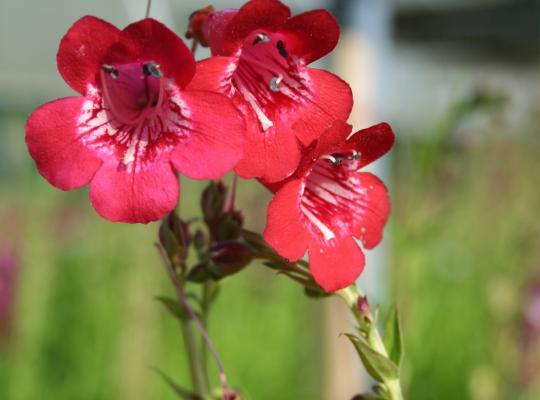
(180, 391)
(271, 265)
(377, 365)
(174, 307)
(216, 290)
(315, 293)
(367, 397)
(393, 340)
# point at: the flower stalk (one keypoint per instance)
(198, 364)
(367, 327)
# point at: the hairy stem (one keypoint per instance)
(367, 324)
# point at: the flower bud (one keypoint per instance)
(196, 22)
(175, 238)
(363, 308)
(200, 240)
(224, 223)
(228, 227)
(213, 200)
(229, 257)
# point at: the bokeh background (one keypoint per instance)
(460, 83)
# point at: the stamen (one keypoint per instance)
(109, 69)
(331, 160)
(261, 38)
(354, 156)
(152, 69)
(281, 49)
(274, 83)
(118, 110)
(338, 157)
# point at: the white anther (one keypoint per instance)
(274, 83)
(262, 38)
(110, 70)
(331, 159)
(355, 155)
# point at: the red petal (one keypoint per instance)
(370, 224)
(372, 143)
(272, 155)
(150, 40)
(336, 264)
(316, 34)
(141, 194)
(82, 49)
(214, 75)
(341, 202)
(331, 100)
(214, 29)
(53, 143)
(215, 141)
(285, 230)
(334, 137)
(256, 14)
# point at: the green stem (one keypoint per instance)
(190, 343)
(205, 311)
(367, 325)
(197, 377)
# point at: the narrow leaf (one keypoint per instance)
(367, 397)
(180, 391)
(393, 340)
(173, 307)
(377, 365)
(315, 293)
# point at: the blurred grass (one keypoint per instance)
(466, 243)
(86, 324)
(464, 240)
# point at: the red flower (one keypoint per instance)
(134, 121)
(261, 64)
(327, 203)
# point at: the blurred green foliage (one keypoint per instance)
(464, 241)
(87, 326)
(465, 234)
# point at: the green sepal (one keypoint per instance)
(200, 273)
(378, 366)
(316, 293)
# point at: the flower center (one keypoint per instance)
(348, 160)
(136, 116)
(333, 196)
(132, 92)
(267, 76)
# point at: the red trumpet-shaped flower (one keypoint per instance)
(134, 121)
(261, 57)
(327, 203)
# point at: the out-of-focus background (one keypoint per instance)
(460, 83)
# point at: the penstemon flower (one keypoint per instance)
(134, 122)
(260, 60)
(327, 203)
